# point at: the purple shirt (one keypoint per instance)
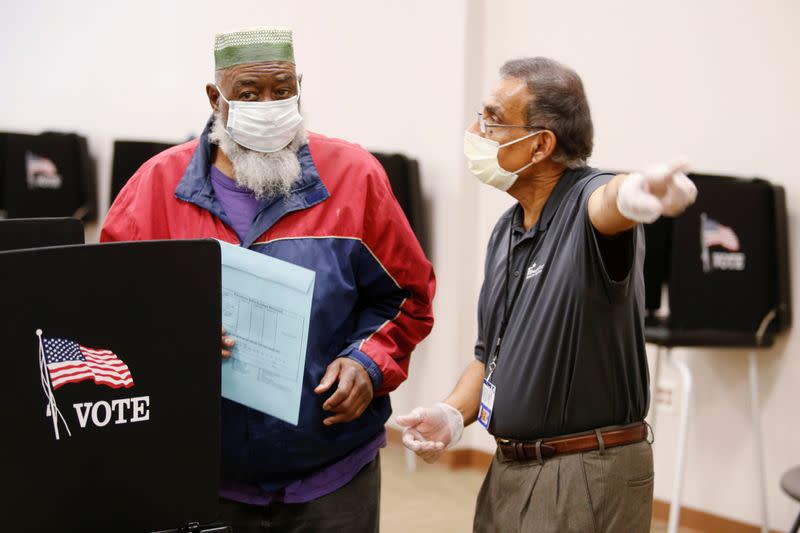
(318, 484)
(238, 202)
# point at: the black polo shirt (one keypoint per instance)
(573, 355)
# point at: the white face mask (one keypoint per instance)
(482, 159)
(263, 126)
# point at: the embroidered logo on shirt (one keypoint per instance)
(534, 270)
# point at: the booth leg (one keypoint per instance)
(654, 390)
(755, 405)
(683, 431)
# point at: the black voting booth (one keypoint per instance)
(725, 263)
(21, 233)
(142, 456)
(47, 175)
(403, 174)
(128, 157)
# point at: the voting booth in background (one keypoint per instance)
(112, 403)
(47, 175)
(403, 174)
(128, 157)
(738, 230)
(21, 233)
(725, 262)
(658, 239)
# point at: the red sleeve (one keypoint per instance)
(402, 288)
(119, 224)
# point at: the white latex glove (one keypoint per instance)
(429, 430)
(662, 189)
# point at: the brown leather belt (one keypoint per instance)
(511, 450)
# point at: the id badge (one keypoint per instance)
(487, 403)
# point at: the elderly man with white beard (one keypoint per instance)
(257, 179)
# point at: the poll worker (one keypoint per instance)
(560, 373)
(256, 178)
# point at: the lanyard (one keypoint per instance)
(508, 307)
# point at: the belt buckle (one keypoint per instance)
(503, 443)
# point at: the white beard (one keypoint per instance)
(268, 175)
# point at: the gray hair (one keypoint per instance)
(558, 103)
(268, 175)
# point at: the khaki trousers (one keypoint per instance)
(591, 492)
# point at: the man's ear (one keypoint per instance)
(213, 96)
(299, 91)
(543, 146)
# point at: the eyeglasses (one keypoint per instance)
(484, 125)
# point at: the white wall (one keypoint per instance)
(718, 81)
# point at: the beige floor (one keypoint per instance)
(433, 499)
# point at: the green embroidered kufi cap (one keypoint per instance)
(252, 46)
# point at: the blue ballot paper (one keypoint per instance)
(266, 305)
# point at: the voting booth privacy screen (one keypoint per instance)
(111, 404)
(128, 157)
(47, 175)
(403, 174)
(658, 239)
(729, 257)
(37, 232)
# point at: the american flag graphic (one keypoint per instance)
(715, 234)
(69, 362)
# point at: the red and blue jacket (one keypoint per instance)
(372, 296)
